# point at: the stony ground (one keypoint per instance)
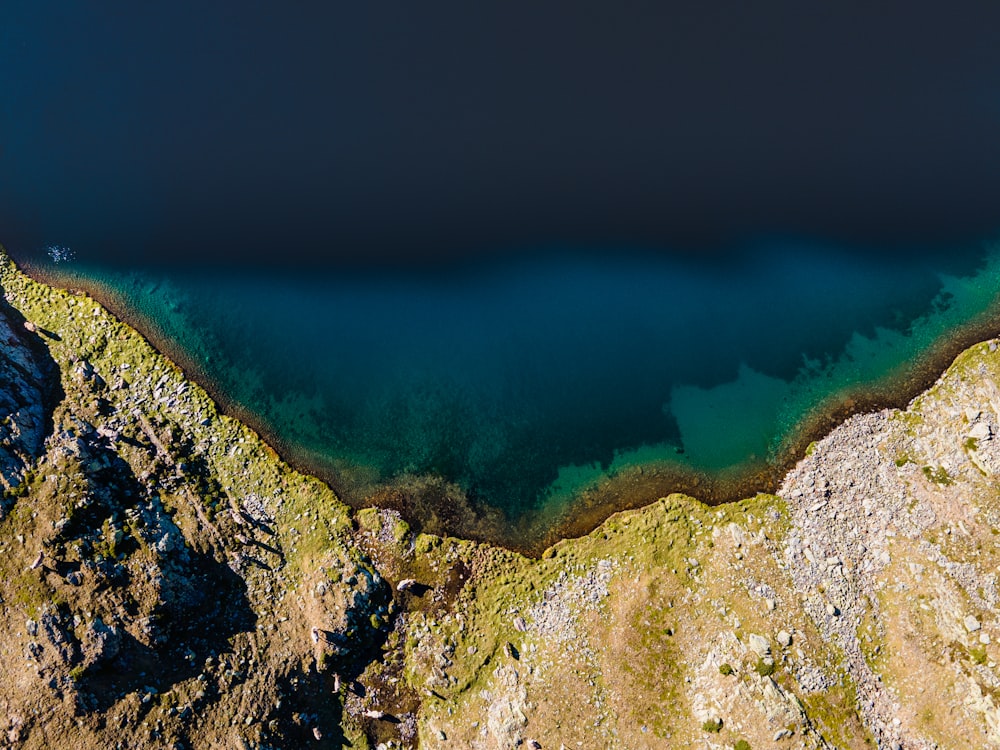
(168, 582)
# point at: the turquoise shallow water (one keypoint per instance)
(528, 382)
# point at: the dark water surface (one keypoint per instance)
(483, 385)
(523, 399)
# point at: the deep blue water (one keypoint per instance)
(529, 381)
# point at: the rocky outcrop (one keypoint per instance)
(28, 381)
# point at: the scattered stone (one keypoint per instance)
(38, 561)
(760, 645)
(972, 624)
(374, 713)
(520, 625)
(784, 638)
(406, 584)
(984, 639)
(317, 733)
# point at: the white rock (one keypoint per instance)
(784, 638)
(972, 624)
(759, 645)
(980, 431)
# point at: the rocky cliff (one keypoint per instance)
(168, 582)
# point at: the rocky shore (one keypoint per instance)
(168, 582)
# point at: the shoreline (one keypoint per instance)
(445, 509)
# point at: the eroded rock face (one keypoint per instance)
(26, 383)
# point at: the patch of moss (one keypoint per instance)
(712, 725)
(937, 475)
(978, 655)
(726, 669)
(765, 668)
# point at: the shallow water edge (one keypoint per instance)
(439, 506)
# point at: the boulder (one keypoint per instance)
(760, 645)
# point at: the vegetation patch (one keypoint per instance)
(712, 725)
(938, 475)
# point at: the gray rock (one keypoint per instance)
(100, 643)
